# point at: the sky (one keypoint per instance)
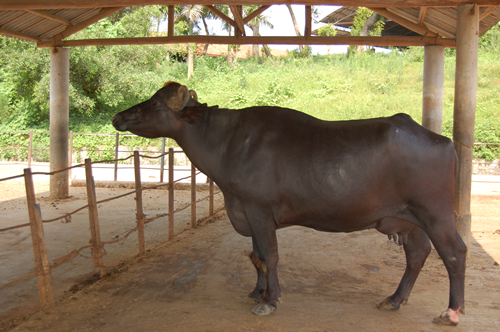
(280, 17)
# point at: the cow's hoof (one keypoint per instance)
(448, 317)
(263, 309)
(385, 305)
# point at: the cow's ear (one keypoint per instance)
(192, 114)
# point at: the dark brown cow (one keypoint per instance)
(278, 167)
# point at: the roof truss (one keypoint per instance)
(50, 22)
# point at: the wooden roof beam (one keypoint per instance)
(255, 13)
(421, 15)
(105, 12)
(487, 12)
(220, 14)
(50, 16)
(20, 35)
(337, 40)
(56, 4)
(238, 19)
(404, 22)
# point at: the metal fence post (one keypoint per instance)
(138, 202)
(170, 193)
(43, 269)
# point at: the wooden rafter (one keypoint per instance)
(404, 22)
(486, 13)
(9, 33)
(313, 40)
(421, 15)
(220, 14)
(105, 12)
(49, 16)
(238, 19)
(56, 4)
(255, 13)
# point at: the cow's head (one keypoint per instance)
(163, 114)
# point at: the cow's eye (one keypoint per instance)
(155, 102)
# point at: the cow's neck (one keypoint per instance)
(205, 142)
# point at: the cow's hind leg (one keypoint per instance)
(452, 251)
(417, 248)
(260, 289)
(265, 259)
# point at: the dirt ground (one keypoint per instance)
(198, 281)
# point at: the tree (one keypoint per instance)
(254, 25)
(366, 23)
(192, 13)
(297, 31)
(327, 31)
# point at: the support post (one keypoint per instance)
(117, 144)
(211, 199)
(30, 149)
(59, 120)
(464, 112)
(43, 269)
(162, 159)
(432, 106)
(95, 234)
(70, 154)
(193, 196)
(138, 203)
(170, 193)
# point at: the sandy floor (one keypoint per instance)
(197, 282)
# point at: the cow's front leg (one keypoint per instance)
(265, 258)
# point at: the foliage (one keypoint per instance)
(327, 30)
(106, 80)
(362, 15)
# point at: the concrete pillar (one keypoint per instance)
(59, 120)
(432, 106)
(464, 112)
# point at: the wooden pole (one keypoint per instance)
(171, 193)
(211, 200)
(162, 159)
(39, 248)
(464, 112)
(95, 235)
(30, 149)
(70, 152)
(138, 202)
(117, 144)
(193, 196)
(171, 22)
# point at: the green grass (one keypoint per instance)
(334, 87)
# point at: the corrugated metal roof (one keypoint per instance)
(440, 20)
(42, 25)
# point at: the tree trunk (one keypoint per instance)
(255, 47)
(229, 56)
(297, 31)
(190, 59)
(205, 49)
(267, 51)
(366, 29)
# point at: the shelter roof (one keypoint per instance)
(51, 22)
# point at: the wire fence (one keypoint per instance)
(43, 268)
